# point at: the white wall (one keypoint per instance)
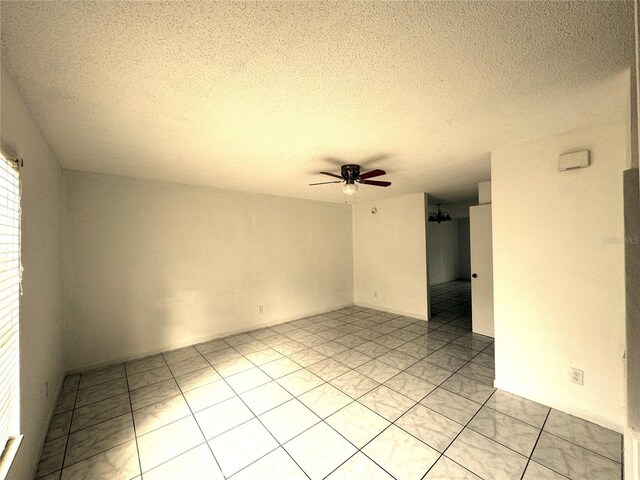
(389, 254)
(632, 284)
(443, 251)
(151, 266)
(41, 304)
(484, 193)
(559, 272)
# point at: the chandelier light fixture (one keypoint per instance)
(439, 216)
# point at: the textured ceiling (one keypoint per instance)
(258, 96)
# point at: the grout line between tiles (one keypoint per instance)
(456, 437)
(194, 419)
(322, 421)
(582, 446)
(135, 433)
(66, 446)
(393, 423)
(535, 445)
(263, 426)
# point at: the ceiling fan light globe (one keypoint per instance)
(350, 188)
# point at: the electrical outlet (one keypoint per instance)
(261, 309)
(576, 376)
(46, 389)
(375, 294)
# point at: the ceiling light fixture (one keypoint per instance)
(350, 188)
(439, 216)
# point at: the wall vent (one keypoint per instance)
(569, 161)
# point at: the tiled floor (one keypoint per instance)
(352, 394)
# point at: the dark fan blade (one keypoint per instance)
(332, 175)
(376, 183)
(322, 183)
(373, 173)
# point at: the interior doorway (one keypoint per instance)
(449, 256)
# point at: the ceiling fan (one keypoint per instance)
(350, 175)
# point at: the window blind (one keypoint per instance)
(10, 273)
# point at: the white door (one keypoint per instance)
(481, 269)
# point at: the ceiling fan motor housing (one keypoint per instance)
(350, 173)
(351, 176)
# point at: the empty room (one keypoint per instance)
(308, 240)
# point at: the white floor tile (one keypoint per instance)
(265, 397)
(359, 467)
(400, 454)
(319, 450)
(277, 465)
(288, 420)
(325, 400)
(242, 446)
(357, 423)
(196, 464)
(223, 416)
(168, 442)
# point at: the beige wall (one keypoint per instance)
(151, 266)
(389, 254)
(558, 240)
(41, 304)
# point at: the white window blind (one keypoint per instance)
(10, 273)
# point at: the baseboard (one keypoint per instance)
(391, 310)
(53, 402)
(631, 454)
(208, 338)
(562, 406)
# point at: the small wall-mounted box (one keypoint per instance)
(569, 161)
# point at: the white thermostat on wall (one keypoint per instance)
(569, 161)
